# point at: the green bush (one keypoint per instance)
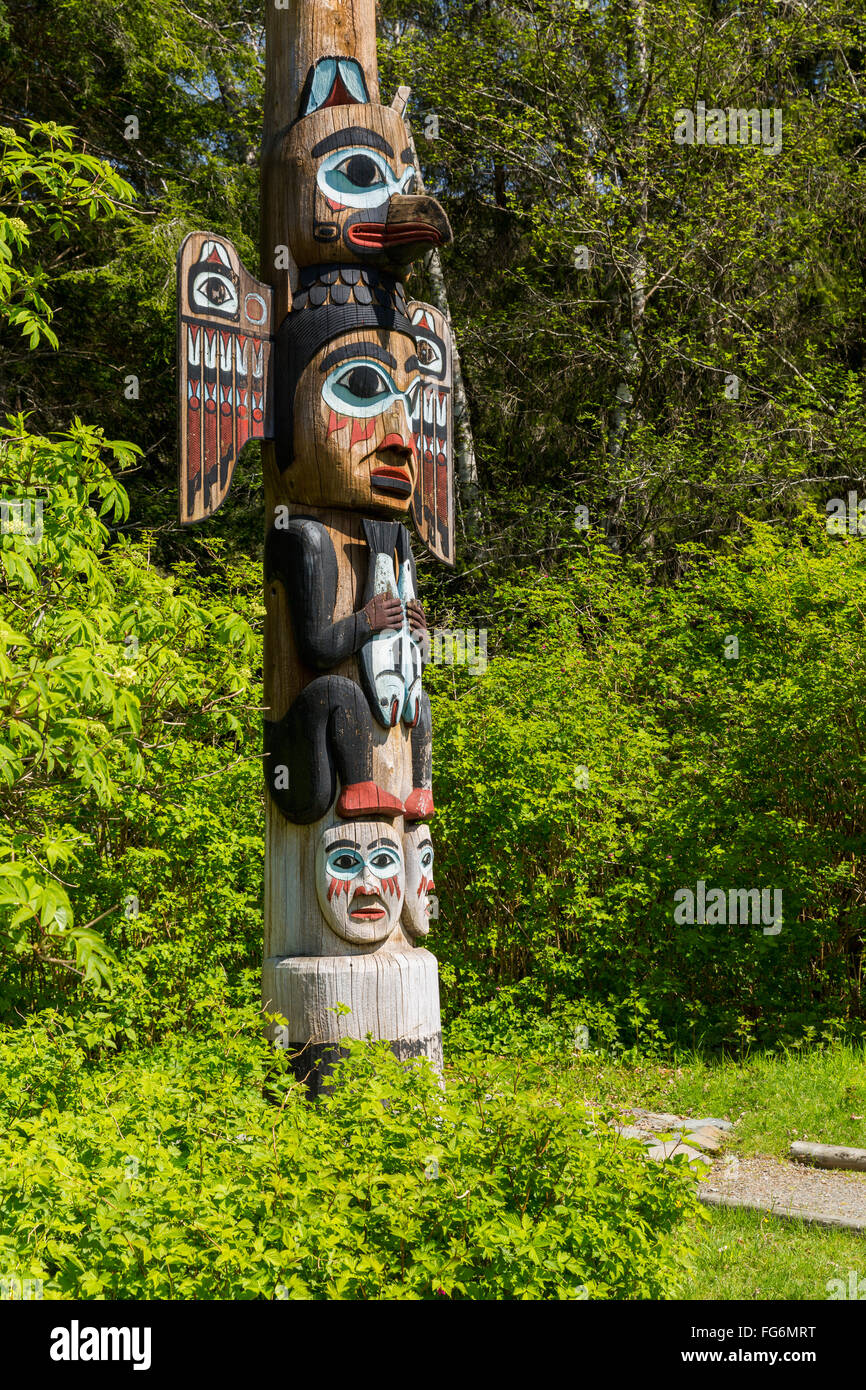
(612, 753)
(199, 1170)
(126, 695)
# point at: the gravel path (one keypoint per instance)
(827, 1196)
(789, 1188)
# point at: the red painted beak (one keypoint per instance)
(378, 236)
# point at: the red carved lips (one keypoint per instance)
(374, 236)
(394, 480)
(394, 477)
(368, 911)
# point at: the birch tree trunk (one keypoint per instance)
(632, 293)
(467, 469)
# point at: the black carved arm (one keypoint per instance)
(301, 555)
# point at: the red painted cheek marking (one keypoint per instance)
(335, 207)
(336, 422)
(361, 430)
(333, 887)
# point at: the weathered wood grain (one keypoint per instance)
(390, 995)
(324, 468)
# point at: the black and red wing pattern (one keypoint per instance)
(433, 428)
(224, 350)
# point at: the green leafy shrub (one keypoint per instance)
(117, 684)
(612, 754)
(199, 1171)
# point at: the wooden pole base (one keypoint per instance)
(393, 996)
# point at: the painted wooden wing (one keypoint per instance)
(433, 426)
(224, 333)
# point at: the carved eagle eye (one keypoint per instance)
(359, 171)
(361, 178)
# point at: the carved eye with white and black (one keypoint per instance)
(345, 863)
(214, 293)
(360, 389)
(427, 861)
(358, 177)
(430, 355)
(384, 862)
(356, 174)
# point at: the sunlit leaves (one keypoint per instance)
(201, 1171)
(100, 656)
(49, 184)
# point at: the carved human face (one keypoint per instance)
(361, 880)
(418, 852)
(350, 187)
(354, 444)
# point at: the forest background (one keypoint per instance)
(662, 346)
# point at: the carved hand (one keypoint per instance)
(383, 611)
(417, 616)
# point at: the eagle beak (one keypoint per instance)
(415, 223)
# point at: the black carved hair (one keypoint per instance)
(331, 300)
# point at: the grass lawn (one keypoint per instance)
(819, 1096)
(746, 1255)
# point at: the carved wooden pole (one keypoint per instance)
(349, 386)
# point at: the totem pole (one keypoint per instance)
(348, 385)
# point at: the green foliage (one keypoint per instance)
(48, 189)
(200, 1171)
(611, 376)
(103, 661)
(611, 754)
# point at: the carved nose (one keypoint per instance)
(369, 883)
(396, 444)
(415, 223)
